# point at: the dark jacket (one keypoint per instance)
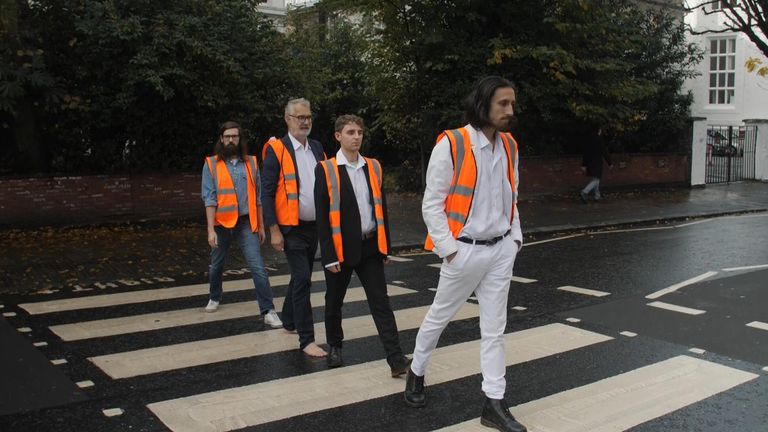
(595, 150)
(270, 174)
(351, 233)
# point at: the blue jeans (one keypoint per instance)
(249, 244)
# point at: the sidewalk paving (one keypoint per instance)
(48, 260)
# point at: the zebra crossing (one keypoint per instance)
(193, 371)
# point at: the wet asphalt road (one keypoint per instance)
(628, 265)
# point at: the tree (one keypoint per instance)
(743, 16)
(146, 83)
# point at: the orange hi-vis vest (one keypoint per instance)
(331, 168)
(226, 206)
(287, 189)
(459, 200)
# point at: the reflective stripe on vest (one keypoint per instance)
(458, 203)
(227, 210)
(331, 168)
(287, 188)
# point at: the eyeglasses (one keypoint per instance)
(301, 119)
(230, 137)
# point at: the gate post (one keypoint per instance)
(698, 151)
(761, 147)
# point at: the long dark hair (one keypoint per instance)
(478, 101)
(218, 149)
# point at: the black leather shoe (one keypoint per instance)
(496, 415)
(414, 390)
(334, 357)
(400, 366)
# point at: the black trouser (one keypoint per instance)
(370, 270)
(300, 245)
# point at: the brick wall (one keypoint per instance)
(39, 201)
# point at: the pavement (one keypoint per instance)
(56, 260)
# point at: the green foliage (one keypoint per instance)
(148, 82)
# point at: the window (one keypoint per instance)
(721, 4)
(722, 71)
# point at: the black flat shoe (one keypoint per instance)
(334, 358)
(415, 397)
(400, 366)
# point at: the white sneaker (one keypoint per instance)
(271, 319)
(212, 306)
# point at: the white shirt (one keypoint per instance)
(305, 165)
(488, 216)
(360, 185)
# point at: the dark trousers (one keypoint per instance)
(300, 245)
(370, 270)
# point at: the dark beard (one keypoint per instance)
(230, 151)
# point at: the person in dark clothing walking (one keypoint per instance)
(595, 151)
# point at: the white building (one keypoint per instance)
(725, 93)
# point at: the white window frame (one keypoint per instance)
(721, 71)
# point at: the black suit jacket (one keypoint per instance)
(270, 174)
(351, 233)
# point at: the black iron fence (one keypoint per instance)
(730, 153)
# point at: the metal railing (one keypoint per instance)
(730, 153)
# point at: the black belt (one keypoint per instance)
(306, 223)
(369, 235)
(489, 242)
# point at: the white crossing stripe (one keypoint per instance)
(170, 319)
(85, 384)
(160, 359)
(143, 296)
(40, 344)
(24, 329)
(628, 333)
(519, 308)
(437, 266)
(59, 361)
(399, 259)
(758, 325)
(623, 401)
(9, 314)
(573, 320)
(585, 291)
(676, 308)
(256, 404)
(698, 351)
(676, 287)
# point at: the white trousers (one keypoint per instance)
(486, 270)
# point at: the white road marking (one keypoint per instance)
(437, 266)
(208, 351)
(758, 325)
(677, 286)
(399, 259)
(698, 351)
(85, 384)
(9, 314)
(754, 267)
(573, 320)
(695, 222)
(112, 412)
(584, 291)
(623, 401)
(40, 344)
(59, 361)
(261, 403)
(676, 308)
(24, 329)
(519, 308)
(628, 333)
(183, 317)
(553, 239)
(150, 295)
(632, 230)
(522, 280)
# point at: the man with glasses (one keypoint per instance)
(288, 179)
(230, 190)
